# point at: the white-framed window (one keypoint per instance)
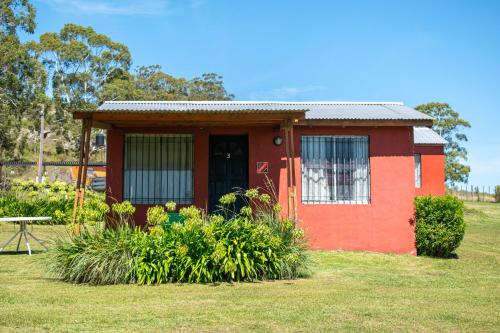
(335, 169)
(418, 170)
(158, 168)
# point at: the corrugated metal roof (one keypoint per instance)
(361, 111)
(426, 136)
(314, 110)
(200, 106)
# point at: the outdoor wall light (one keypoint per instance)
(278, 140)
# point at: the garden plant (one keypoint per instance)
(440, 225)
(29, 198)
(253, 243)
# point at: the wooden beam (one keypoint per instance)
(111, 117)
(101, 125)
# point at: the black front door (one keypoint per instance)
(228, 166)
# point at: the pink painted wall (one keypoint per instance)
(381, 226)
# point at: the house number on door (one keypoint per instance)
(228, 156)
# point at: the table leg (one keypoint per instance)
(39, 241)
(27, 243)
(19, 241)
(8, 242)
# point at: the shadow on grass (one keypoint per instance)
(14, 253)
(450, 256)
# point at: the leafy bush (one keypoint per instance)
(123, 212)
(497, 193)
(254, 244)
(440, 225)
(28, 198)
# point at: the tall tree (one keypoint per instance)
(79, 62)
(449, 125)
(151, 83)
(22, 78)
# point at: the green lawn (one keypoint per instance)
(347, 291)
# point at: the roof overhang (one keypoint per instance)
(108, 120)
(221, 113)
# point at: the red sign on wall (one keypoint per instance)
(262, 167)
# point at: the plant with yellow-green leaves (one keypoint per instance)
(252, 244)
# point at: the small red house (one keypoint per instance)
(345, 171)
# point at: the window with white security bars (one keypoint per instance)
(158, 168)
(335, 169)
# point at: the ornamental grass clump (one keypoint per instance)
(254, 243)
(95, 256)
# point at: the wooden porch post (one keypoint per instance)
(293, 176)
(288, 171)
(82, 169)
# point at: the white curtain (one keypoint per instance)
(335, 169)
(158, 168)
(418, 170)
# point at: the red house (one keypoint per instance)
(345, 171)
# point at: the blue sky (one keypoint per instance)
(410, 51)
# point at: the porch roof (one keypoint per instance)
(127, 113)
(426, 136)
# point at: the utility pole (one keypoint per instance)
(40, 151)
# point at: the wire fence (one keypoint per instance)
(478, 193)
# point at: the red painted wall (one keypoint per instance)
(432, 165)
(382, 225)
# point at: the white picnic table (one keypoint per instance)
(23, 230)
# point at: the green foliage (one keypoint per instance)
(123, 212)
(449, 125)
(16, 15)
(78, 61)
(28, 198)
(440, 225)
(497, 193)
(95, 257)
(22, 78)
(151, 83)
(227, 199)
(254, 245)
(170, 206)
(156, 216)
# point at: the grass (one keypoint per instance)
(347, 291)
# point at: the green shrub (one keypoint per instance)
(497, 193)
(440, 225)
(255, 244)
(27, 198)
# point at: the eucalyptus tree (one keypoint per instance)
(22, 77)
(79, 62)
(151, 83)
(450, 126)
